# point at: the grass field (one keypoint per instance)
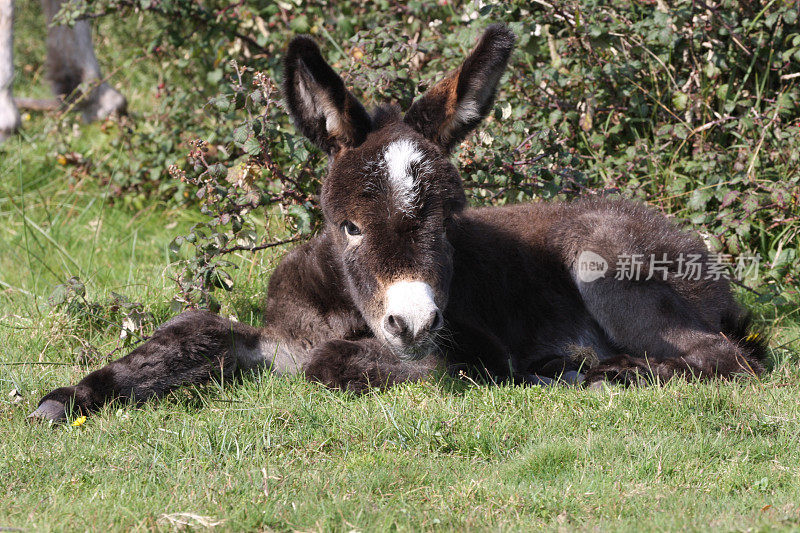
(284, 454)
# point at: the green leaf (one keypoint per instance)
(299, 24)
(680, 100)
(555, 117)
(750, 203)
(59, 295)
(302, 218)
(77, 286)
(214, 76)
(699, 199)
(252, 147)
(241, 134)
(786, 103)
(223, 103)
(247, 238)
(218, 170)
(729, 198)
(222, 279)
(175, 247)
(175, 306)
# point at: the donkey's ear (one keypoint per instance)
(320, 105)
(452, 108)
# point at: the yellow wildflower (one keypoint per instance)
(79, 422)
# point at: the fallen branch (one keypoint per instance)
(38, 104)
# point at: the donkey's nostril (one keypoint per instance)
(395, 325)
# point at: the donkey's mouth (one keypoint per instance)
(415, 352)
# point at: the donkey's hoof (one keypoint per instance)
(104, 102)
(571, 377)
(5, 135)
(9, 118)
(49, 411)
(599, 385)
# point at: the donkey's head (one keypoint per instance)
(391, 190)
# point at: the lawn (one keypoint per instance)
(276, 453)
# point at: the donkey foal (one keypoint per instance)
(403, 276)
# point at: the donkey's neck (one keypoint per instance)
(310, 277)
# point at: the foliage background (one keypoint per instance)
(690, 106)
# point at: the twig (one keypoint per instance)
(742, 285)
(534, 160)
(264, 246)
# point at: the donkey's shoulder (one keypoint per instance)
(528, 212)
(308, 276)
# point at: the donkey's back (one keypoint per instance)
(608, 287)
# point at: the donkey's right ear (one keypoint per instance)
(320, 105)
(457, 104)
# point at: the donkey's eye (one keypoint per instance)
(351, 229)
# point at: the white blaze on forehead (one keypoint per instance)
(399, 157)
(413, 302)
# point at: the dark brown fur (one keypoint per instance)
(361, 304)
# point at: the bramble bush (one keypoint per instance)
(689, 105)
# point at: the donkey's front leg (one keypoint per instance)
(71, 61)
(9, 116)
(363, 364)
(190, 349)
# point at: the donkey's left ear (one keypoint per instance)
(453, 107)
(320, 105)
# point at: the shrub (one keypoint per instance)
(686, 104)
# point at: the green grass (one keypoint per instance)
(284, 454)
(281, 453)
